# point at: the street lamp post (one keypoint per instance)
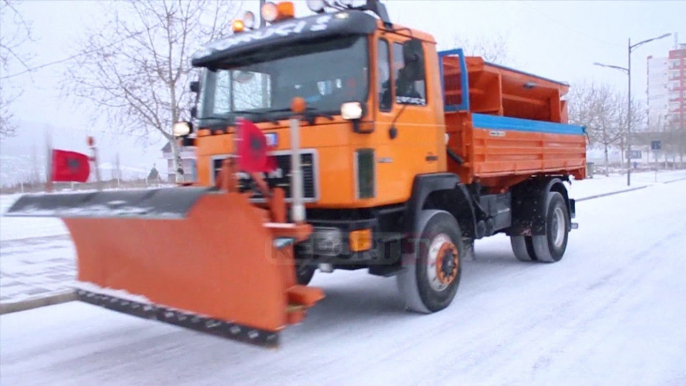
(627, 70)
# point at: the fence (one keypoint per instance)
(38, 187)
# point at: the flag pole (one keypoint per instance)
(48, 163)
(94, 158)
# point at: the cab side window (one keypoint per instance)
(384, 76)
(409, 72)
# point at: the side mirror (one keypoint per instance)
(195, 86)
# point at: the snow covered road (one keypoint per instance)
(612, 312)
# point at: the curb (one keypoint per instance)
(29, 304)
(677, 180)
(610, 193)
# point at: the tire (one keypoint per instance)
(304, 273)
(424, 287)
(523, 248)
(550, 248)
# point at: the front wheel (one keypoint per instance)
(432, 274)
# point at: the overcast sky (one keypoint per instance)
(555, 39)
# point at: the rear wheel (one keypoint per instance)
(523, 248)
(550, 248)
(432, 274)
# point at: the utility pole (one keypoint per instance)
(628, 122)
(627, 70)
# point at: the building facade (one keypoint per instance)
(188, 165)
(658, 92)
(667, 90)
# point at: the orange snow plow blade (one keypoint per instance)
(211, 261)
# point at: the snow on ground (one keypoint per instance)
(13, 228)
(600, 184)
(37, 256)
(612, 312)
(36, 267)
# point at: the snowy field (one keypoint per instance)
(600, 184)
(612, 312)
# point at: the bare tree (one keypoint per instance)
(674, 134)
(137, 69)
(638, 120)
(679, 131)
(593, 105)
(491, 49)
(15, 32)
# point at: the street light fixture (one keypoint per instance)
(627, 70)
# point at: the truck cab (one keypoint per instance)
(339, 63)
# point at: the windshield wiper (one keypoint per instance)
(310, 114)
(259, 114)
(223, 121)
(230, 120)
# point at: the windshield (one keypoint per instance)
(261, 86)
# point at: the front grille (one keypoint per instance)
(281, 177)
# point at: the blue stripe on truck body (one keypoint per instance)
(483, 121)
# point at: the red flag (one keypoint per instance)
(252, 149)
(70, 166)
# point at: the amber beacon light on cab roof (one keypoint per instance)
(384, 154)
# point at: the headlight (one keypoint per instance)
(327, 241)
(351, 110)
(249, 20)
(316, 6)
(238, 26)
(270, 12)
(181, 129)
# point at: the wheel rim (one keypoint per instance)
(557, 227)
(443, 262)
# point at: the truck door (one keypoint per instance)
(406, 120)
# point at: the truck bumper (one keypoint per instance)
(330, 244)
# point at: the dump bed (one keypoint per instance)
(507, 125)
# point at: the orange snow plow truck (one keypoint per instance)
(388, 156)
